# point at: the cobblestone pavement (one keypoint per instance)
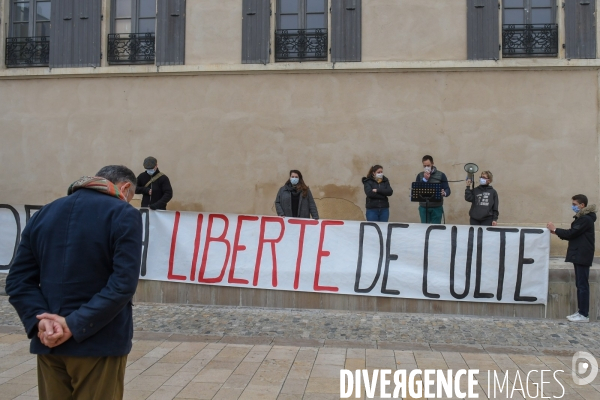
(211, 352)
(166, 368)
(365, 329)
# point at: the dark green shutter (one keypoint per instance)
(75, 34)
(256, 22)
(170, 32)
(580, 28)
(346, 30)
(483, 40)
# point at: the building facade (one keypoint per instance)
(229, 95)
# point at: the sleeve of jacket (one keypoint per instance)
(278, 207)
(312, 206)
(141, 189)
(445, 185)
(23, 284)
(495, 211)
(469, 195)
(370, 193)
(122, 283)
(165, 185)
(387, 191)
(579, 228)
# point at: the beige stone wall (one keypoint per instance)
(228, 141)
(213, 32)
(393, 30)
(414, 30)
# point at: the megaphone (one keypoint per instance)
(471, 169)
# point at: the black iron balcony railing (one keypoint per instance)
(300, 44)
(530, 40)
(131, 48)
(27, 51)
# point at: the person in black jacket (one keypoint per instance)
(72, 281)
(154, 186)
(580, 252)
(484, 201)
(377, 189)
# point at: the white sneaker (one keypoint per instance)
(572, 315)
(579, 318)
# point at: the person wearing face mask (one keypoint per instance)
(72, 280)
(154, 186)
(432, 213)
(580, 252)
(484, 201)
(294, 199)
(377, 188)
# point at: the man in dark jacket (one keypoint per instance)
(580, 252)
(72, 281)
(432, 213)
(484, 201)
(154, 186)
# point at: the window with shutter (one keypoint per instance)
(346, 30)
(75, 34)
(482, 30)
(256, 22)
(132, 37)
(580, 29)
(170, 32)
(529, 28)
(28, 41)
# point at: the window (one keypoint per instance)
(28, 43)
(529, 28)
(133, 38)
(301, 32)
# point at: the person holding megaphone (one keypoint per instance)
(484, 201)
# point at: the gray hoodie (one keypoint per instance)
(484, 202)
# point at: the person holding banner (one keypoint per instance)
(580, 252)
(432, 213)
(74, 275)
(484, 201)
(378, 189)
(294, 199)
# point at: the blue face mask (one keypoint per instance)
(150, 172)
(575, 209)
(294, 181)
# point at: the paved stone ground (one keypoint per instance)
(165, 368)
(355, 329)
(210, 352)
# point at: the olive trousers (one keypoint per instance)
(80, 378)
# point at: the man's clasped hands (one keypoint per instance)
(53, 330)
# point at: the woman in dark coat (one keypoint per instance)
(294, 199)
(377, 189)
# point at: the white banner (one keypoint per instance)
(443, 262)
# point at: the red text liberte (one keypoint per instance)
(236, 247)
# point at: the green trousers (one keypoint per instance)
(80, 378)
(433, 215)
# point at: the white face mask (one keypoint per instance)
(482, 181)
(294, 181)
(427, 169)
(379, 176)
(150, 172)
